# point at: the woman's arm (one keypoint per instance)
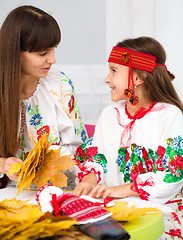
(70, 125)
(5, 166)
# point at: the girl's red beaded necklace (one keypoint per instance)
(140, 113)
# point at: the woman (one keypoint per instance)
(35, 97)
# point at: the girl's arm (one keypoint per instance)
(86, 185)
(120, 191)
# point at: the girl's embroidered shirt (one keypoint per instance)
(155, 140)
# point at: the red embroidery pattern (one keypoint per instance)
(174, 201)
(42, 130)
(175, 233)
(175, 217)
(71, 104)
(142, 161)
(84, 156)
(139, 60)
(138, 185)
(86, 171)
(180, 207)
(78, 208)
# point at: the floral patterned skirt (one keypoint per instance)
(173, 226)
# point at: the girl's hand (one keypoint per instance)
(86, 185)
(103, 191)
(7, 166)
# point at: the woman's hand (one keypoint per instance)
(86, 185)
(6, 163)
(103, 191)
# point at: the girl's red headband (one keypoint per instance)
(134, 59)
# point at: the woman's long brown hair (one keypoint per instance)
(26, 28)
(157, 85)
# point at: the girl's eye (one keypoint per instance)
(113, 70)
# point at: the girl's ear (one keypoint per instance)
(138, 80)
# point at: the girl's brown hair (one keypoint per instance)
(26, 28)
(157, 85)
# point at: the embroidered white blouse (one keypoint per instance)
(117, 136)
(146, 149)
(53, 109)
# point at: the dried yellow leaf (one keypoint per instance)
(42, 165)
(123, 213)
(59, 179)
(20, 220)
(15, 168)
(18, 209)
(13, 204)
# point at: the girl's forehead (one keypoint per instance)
(111, 64)
(117, 66)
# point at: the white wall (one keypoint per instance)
(91, 27)
(161, 19)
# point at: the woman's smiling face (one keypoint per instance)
(37, 64)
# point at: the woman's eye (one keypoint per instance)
(113, 70)
(43, 53)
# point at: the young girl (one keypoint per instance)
(34, 97)
(137, 146)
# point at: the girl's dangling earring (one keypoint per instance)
(134, 100)
(130, 93)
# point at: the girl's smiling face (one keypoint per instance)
(118, 81)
